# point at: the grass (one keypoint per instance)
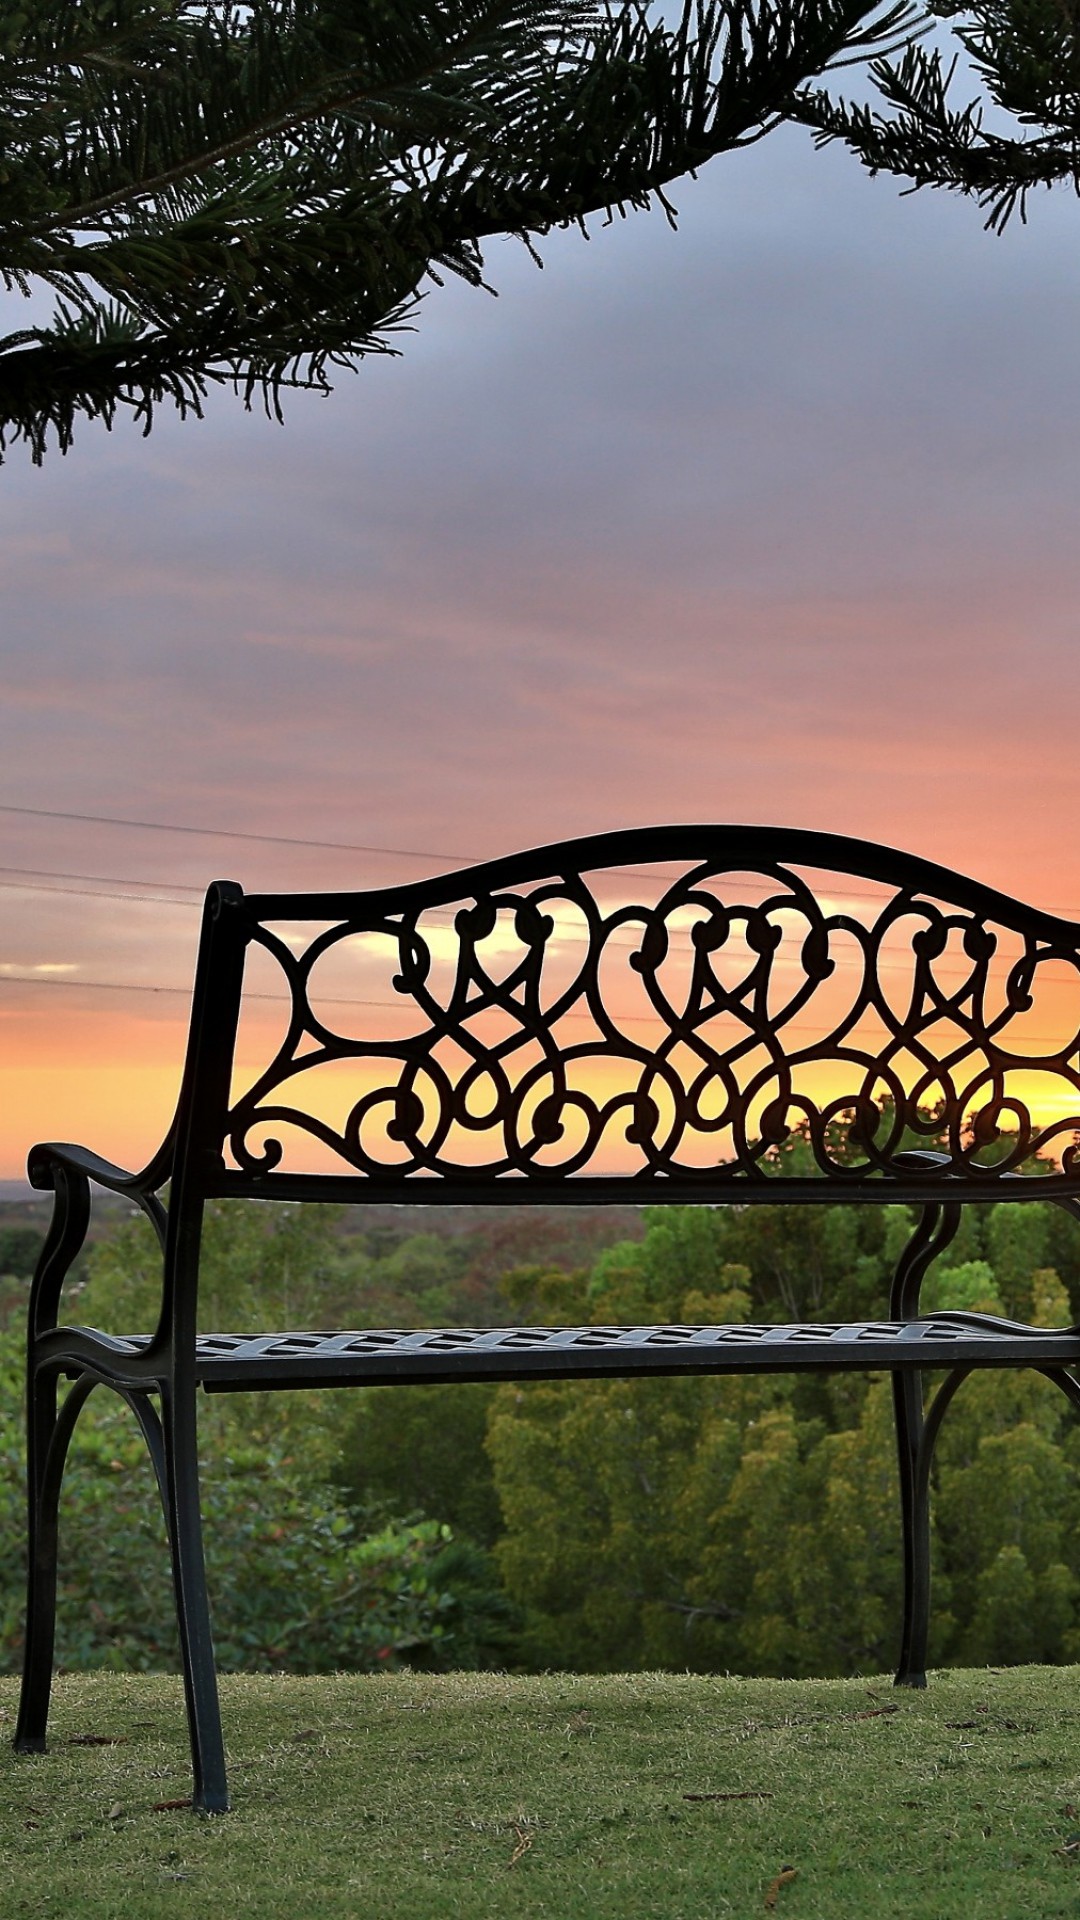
(404, 1796)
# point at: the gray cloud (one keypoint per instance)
(773, 516)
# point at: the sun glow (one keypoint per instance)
(580, 1031)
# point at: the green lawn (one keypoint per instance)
(475, 1794)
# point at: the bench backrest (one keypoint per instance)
(706, 1012)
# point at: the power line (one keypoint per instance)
(34, 876)
(325, 846)
(101, 986)
(902, 960)
(29, 880)
(98, 893)
(233, 833)
(139, 986)
(98, 879)
(391, 1006)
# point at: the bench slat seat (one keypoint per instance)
(227, 1362)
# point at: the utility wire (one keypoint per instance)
(28, 880)
(231, 833)
(392, 1006)
(99, 893)
(98, 879)
(325, 846)
(138, 986)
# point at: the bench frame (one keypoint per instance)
(208, 1154)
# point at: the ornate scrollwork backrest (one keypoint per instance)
(705, 1006)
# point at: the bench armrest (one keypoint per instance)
(48, 1155)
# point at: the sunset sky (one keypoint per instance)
(770, 519)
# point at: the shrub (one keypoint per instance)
(296, 1579)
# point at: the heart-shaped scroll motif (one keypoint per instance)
(732, 1023)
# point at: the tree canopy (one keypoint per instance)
(750, 1523)
(198, 192)
(253, 194)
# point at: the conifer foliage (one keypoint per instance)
(1024, 56)
(254, 194)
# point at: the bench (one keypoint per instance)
(644, 1016)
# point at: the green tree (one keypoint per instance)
(753, 1523)
(297, 1577)
(746, 1523)
(19, 1249)
(596, 1480)
(966, 1286)
(1017, 1244)
(419, 1451)
(252, 194)
(1008, 1510)
(790, 1262)
(265, 1266)
(411, 1282)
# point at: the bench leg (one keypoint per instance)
(915, 1519)
(48, 1438)
(48, 1433)
(917, 1438)
(211, 1793)
(937, 1227)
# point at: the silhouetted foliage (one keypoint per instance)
(216, 193)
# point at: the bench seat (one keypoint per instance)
(227, 1362)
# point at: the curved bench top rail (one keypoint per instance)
(735, 849)
(675, 1012)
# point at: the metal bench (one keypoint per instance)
(644, 1016)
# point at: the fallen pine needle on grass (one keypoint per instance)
(523, 1840)
(785, 1874)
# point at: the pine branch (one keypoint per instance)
(650, 105)
(1026, 53)
(253, 195)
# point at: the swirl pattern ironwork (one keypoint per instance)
(713, 1026)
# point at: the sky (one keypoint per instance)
(772, 518)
